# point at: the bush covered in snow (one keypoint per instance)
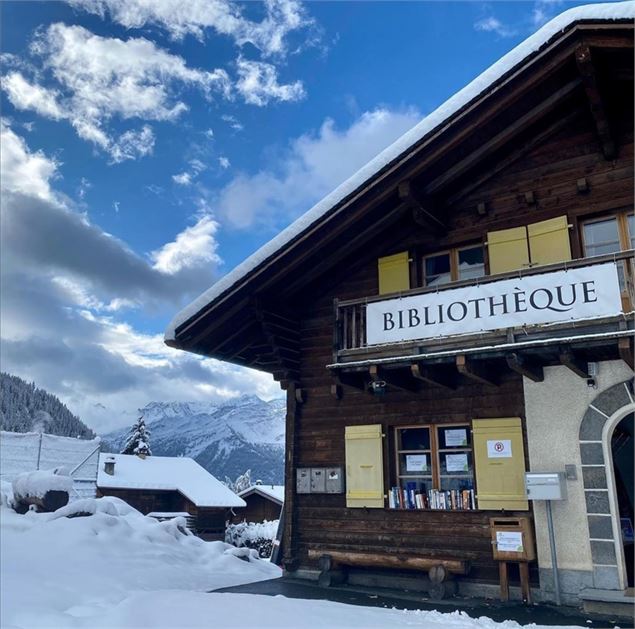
(256, 535)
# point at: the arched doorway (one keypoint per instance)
(623, 474)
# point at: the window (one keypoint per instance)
(456, 264)
(434, 468)
(610, 234)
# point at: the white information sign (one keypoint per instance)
(509, 541)
(455, 437)
(456, 462)
(499, 449)
(416, 462)
(579, 293)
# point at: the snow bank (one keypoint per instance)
(36, 484)
(506, 64)
(239, 534)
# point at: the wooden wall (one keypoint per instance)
(323, 521)
(258, 509)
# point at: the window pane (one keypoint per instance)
(471, 263)
(437, 269)
(601, 237)
(631, 229)
(455, 464)
(454, 437)
(415, 465)
(414, 439)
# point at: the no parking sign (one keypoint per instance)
(499, 448)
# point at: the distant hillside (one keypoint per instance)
(226, 439)
(25, 408)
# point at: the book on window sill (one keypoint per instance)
(409, 497)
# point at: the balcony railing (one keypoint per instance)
(350, 314)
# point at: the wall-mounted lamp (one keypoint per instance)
(377, 387)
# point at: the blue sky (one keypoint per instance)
(148, 148)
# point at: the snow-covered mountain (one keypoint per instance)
(225, 438)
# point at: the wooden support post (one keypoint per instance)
(525, 367)
(586, 69)
(475, 372)
(523, 566)
(504, 580)
(625, 348)
(569, 359)
(394, 378)
(289, 560)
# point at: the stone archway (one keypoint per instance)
(595, 429)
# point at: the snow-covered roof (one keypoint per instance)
(169, 473)
(275, 492)
(600, 12)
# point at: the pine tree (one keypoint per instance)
(139, 440)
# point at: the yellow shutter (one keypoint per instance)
(364, 466)
(549, 241)
(500, 481)
(394, 273)
(507, 250)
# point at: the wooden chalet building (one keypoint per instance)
(456, 314)
(263, 502)
(166, 487)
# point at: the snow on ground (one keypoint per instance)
(117, 568)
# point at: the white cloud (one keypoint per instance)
(101, 78)
(195, 246)
(183, 179)
(224, 162)
(258, 84)
(313, 165)
(115, 205)
(544, 10)
(195, 17)
(24, 171)
(233, 122)
(83, 188)
(209, 133)
(492, 24)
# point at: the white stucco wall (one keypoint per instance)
(554, 409)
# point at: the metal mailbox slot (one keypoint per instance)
(334, 478)
(318, 480)
(303, 480)
(546, 485)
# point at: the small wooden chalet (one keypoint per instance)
(165, 487)
(264, 502)
(455, 315)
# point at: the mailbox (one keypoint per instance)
(303, 480)
(512, 539)
(318, 480)
(546, 485)
(334, 478)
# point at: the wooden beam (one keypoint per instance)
(420, 213)
(355, 380)
(500, 139)
(438, 375)
(512, 157)
(570, 360)
(525, 367)
(587, 71)
(478, 373)
(625, 348)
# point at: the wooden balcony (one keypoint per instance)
(546, 342)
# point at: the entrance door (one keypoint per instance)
(622, 450)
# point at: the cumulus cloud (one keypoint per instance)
(258, 84)
(492, 24)
(99, 78)
(66, 285)
(196, 17)
(224, 162)
(312, 166)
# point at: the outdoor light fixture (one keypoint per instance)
(377, 387)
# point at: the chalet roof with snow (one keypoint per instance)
(271, 492)
(525, 93)
(167, 473)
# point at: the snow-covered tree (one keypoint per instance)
(138, 440)
(241, 483)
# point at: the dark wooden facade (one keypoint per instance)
(259, 508)
(207, 522)
(554, 137)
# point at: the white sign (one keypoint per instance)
(499, 449)
(456, 462)
(455, 437)
(509, 542)
(416, 462)
(579, 293)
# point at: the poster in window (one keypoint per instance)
(456, 462)
(416, 462)
(455, 437)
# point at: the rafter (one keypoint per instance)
(438, 375)
(421, 214)
(573, 362)
(525, 367)
(394, 378)
(476, 372)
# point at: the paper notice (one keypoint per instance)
(416, 462)
(456, 462)
(509, 542)
(455, 437)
